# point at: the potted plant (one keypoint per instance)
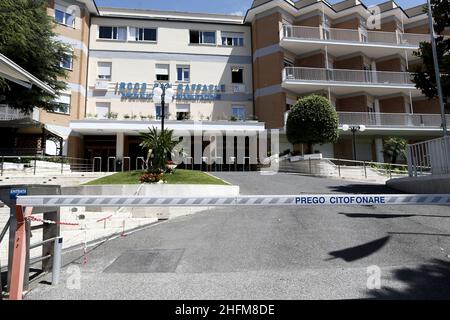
(157, 145)
(112, 115)
(126, 116)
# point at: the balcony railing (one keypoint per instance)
(349, 35)
(368, 119)
(347, 76)
(7, 113)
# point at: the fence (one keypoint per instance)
(40, 164)
(392, 119)
(349, 35)
(348, 76)
(330, 167)
(429, 157)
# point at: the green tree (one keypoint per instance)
(395, 148)
(312, 120)
(423, 74)
(158, 144)
(27, 38)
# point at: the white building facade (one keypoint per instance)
(205, 59)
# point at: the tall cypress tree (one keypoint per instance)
(27, 38)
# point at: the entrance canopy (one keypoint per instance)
(112, 127)
(13, 72)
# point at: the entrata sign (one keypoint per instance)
(184, 92)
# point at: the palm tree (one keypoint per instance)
(159, 144)
(395, 148)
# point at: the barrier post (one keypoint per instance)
(56, 268)
(365, 169)
(35, 161)
(50, 231)
(19, 254)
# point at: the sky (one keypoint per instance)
(237, 7)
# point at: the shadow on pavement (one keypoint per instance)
(389, 216)
(359, 252)
(430, 280)
(376, 216)
(363, 189)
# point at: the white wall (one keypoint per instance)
(135, 62)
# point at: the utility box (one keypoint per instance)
(8, 195)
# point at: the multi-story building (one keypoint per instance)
(238, 75)
(72, 19)
(356, 56)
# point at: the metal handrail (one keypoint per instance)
(347, 76)
(353, 35)
(391, 119)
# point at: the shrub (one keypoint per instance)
(312, 120)
(151, 177)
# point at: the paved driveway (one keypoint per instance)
(272, 253)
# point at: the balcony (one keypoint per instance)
(393, 121)
(101, 85)
(343, 81)
(375, 44)
(7, 113)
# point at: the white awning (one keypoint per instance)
(112, 127)
(60, 131)
(15, 73)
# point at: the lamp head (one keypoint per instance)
(362, 128)
(157, 92)
(345, 127)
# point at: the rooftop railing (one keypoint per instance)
(414, 120)
(347, 76)
(353, 35)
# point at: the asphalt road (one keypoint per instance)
(272, 253)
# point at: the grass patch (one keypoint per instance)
(179, 177)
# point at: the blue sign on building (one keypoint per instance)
(188, 92)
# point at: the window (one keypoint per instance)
(62, 104)
(67, 61)
(183, 73)
(238, 113)
(64, 17)
(232, 39)
(202, 37)
(102, 109)
(142, 34)
(162, 72)
(104, 70)
(183, 112)
(112, 33)
(159, 112)
(237, 75)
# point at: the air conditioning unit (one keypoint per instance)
(239, 88)
(101, 85)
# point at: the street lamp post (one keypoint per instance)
(161, 93)
(436, 68)
(354, 129)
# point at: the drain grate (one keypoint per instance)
(146, 261)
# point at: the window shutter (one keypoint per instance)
(162, 69)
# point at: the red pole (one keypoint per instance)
(19, 254)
